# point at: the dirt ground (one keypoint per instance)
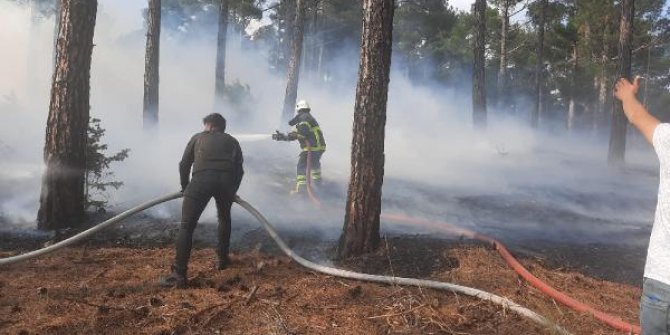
(113, 291)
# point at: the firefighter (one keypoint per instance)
(312, 143)
(216, 158)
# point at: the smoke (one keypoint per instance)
(509, 180)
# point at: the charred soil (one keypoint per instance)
(106, 290)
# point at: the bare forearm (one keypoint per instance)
(638, 115)
(634, 110)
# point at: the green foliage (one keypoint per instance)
(421, 28)
(191, 17)
(98, 174)
(432, 44)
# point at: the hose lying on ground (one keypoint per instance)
(610, 320)
(504, 302)
(545, 288)
(87, 233)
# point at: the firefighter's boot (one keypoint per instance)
(316, 178)
(300, 184)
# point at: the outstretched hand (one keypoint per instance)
(625, 90)
(636, 113)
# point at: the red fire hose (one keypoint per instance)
(608, 319)
(561, 297)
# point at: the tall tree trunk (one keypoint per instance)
(570, 119)
(294, 62)
(479, 67)
(502, 71)
(602, 98)
(151, 65)
(56, 29)
(539, 66)
(220, 80)
(599, 118)
(62, 196)
(617, 147)
(319, 61)
(313, 52)
(646, 75)
(361, 222)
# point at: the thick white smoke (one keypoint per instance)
(436, 164)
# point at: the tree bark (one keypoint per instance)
(479, 67)
(220, 80)
(312, 52)
(62, 197)
(294, 62)
(539, 66)
(617, 145)
(502, 71)
(361, 222)
(56, 30)
(151, 65)
(570, 119)
(602, 79)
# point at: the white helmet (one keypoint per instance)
(302, 104)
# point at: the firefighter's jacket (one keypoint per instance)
(308, 132)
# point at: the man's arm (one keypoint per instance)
(239, 169)
(302, 131)
(186, 161)
(294, 120)
(636, 113)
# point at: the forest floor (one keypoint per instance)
(112, 290)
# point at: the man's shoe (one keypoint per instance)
(172, 280)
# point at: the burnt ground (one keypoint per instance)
(560, 234)
(105, 290)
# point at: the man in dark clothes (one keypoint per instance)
(313, 144)
(216, 158)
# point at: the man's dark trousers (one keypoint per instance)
(204, 186)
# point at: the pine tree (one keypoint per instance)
(361, 222)
(151, 65)
(220, 78)
(479, 66)
(539, 65)
(62, 196)
(294, 62)
(97, 167)
(617, 145)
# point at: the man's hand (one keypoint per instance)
(624, 90)
(636, 113)
(278, 136)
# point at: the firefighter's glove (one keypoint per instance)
(277, 136)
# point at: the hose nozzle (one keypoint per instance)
(279, 136)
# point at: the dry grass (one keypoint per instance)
(113, 291)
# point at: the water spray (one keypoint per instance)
(252, 137)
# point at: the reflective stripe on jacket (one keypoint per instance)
(309, 132)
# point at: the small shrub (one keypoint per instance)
(98, 175)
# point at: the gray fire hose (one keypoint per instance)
(87, 233)
(504, 302)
